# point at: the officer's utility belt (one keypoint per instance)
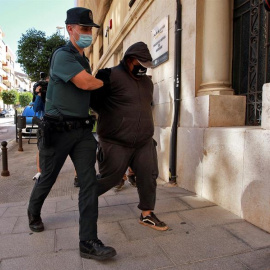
(51, 123)
(65, 123)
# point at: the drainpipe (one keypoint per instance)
(177, 93)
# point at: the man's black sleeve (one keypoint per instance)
(98, 96)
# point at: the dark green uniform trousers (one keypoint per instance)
(114, 160)
(81, 146)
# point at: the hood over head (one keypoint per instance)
(140, 51)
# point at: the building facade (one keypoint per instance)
(223, 131)
(3, 85)
(9, 78)
(22, 82)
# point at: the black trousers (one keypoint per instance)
(81, 146)
(113, 162)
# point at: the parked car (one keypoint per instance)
(7, 113)
(30, 130)
(3, 113)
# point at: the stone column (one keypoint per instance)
(216, 48)
(266, 107)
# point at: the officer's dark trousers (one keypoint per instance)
(80, 145)
(113, 162)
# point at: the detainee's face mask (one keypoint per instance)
(138, 70)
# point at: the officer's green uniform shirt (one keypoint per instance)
(63, 97)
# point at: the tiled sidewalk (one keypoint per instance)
(202, 236)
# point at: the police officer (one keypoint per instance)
(67, 130)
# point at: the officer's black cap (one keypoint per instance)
(81, 16)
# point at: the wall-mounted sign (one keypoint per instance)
(159, 42)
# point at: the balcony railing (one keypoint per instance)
(6, 81)
(6, 66)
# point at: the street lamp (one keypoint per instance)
(60, 28)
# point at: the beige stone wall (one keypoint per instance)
(117, 13)
(217, 156)
(230, 167)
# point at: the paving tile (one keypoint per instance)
(59, 220)
(48, 207)
(74, 196)
(25, 244)
(102, 202)
(169, 205)
(15, 211)
(109, 233)
(257, 260)
(66, 205)
(7, 224)
(71, 204)
(67, 238)
(3, 209)
(200, 245)
(164, 194)
(135, 231)
(108, 193)
(119, 199)
(165, 205)
(215, 264)
(176, 190)
(210, 216)
(115, 213)
(67, 260)
(142, 255)
(197, 202)
(13, 204)
(250, 234)
(50, 220)
(22, 226)
(127, 189)
(60, 198)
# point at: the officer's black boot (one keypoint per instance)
(35, 223)
(95, 249)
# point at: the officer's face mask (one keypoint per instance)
(138, 71)
(84, 40)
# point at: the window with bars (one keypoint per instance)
(251, 63)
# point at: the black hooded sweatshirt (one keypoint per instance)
(124, 103)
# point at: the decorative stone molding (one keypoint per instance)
(266, 106)
(131, 19)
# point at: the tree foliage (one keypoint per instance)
(9, 97)
(34, 51)
(25, 98)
